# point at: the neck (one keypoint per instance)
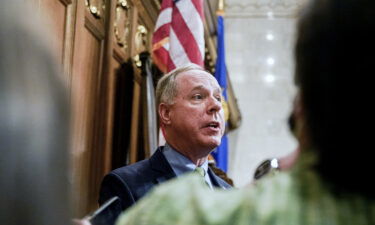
(200, 161)
(189, 153)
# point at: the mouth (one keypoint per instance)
(213, 125)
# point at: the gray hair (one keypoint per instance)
(166, 90)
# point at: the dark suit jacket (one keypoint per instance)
(130, 183)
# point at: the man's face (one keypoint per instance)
(197, 117)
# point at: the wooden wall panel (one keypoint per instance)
(59, 15)
(108, 81)
(122, 29)
(93, 38)
(86, 77)
(89, 68)
(55, 12)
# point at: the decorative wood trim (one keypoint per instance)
(134, 19)
(106, 90)
(122, 40)
(93, 25)
(96, 10)
(152, 8)
(66, 2)
(135, 122)
(68, 46)
(147, 21)
(119, 55)
(141, 39)
(139, 6)
(137, 74)
(156, 2)
(264, 9)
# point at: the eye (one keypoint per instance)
(197, 97)
(218, 98)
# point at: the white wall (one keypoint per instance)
(259, 55)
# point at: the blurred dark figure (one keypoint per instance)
(334, 67)
(34, 120)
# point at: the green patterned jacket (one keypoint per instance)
(297, 197)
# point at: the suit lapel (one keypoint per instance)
(160, 166)
(215, 179)
(162, 171)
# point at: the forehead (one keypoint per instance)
(194, 78)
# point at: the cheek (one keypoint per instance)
(191, 117)
(222, 117)
(195, 113)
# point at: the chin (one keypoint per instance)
(215, 142)
(210, 142)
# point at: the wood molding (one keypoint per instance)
(97, 28)
(66, 2)
(68, 46)
(122, 24)
(119, 55)
(96, 10)
(135, 122)
(143, 16)
(264, 9)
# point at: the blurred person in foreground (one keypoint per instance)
(331, 182)
(192, 120)
(34, 119)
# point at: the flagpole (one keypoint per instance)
(221, 152)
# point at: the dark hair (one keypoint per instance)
(334, 69)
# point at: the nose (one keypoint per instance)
(214, 105)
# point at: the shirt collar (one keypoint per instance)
(179, 163)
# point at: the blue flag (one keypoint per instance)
(221, 152)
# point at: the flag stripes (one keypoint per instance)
(179, 34)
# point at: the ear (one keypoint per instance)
(165, 113)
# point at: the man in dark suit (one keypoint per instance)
(192, 121)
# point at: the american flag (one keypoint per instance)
(179, 34)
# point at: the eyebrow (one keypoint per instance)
(200, 87)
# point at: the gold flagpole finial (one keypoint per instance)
(220, 8)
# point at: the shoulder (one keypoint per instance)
(165, 204)
(129, 172)
(132, 168)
